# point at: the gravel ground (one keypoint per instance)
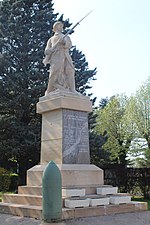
(138, 218)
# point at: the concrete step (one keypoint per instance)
(36, 211)
(30, 190)
(37, 190)
(115, 200)
(23, 199)
(70, 202)
(73, 192)
(107, 190)
(21, 210)
(77, 202)
(86, 201)
(97, 201)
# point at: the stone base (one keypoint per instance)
(64, 136)
(73, 175)
(36, 211)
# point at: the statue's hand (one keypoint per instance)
(62, 41)
(49, 51)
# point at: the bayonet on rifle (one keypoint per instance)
(77, 24)
(46, 59)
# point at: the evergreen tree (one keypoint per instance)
(25, 27)
(83, 75)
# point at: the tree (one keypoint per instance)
(142, 111)
(23, 78)
(111, 122)
(83, 75)
(145, 160)
(140, 114)
(126, 121)
(25, 27)
(99, 155)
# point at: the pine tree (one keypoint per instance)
(83, 75)
(25, 27)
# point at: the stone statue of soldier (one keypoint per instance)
(61, 73)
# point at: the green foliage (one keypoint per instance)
(110, 121)
(8, 181)
(83, 75)
(99, 156)
(23, 78)
(139, 117)
(126, 121)
(132, 180)
(4, 179)
(145, 160)
(142, 111)
(14, 182)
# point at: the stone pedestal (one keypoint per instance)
(64, 137)
(65, 140)
(73, 175)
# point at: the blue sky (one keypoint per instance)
(115, 38)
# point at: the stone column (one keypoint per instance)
(64, 137)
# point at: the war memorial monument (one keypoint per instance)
(65, 140)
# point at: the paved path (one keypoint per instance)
(138, 218)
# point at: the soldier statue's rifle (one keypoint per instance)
(48, 55)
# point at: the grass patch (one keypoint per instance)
(141, 199)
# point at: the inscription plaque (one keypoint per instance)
(75, 146)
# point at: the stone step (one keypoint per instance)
(115, 200)
(107, 190)
(31, 190)
(37, 190)
(21, 210)
(94, 200)
(36, 211)
(97, 201)
(26, 199)
(77, 203)
(68, 192)
(23, 199)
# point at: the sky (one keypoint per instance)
(115, 39)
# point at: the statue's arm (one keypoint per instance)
(47, 52)
(68, 43)
(48, 48)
